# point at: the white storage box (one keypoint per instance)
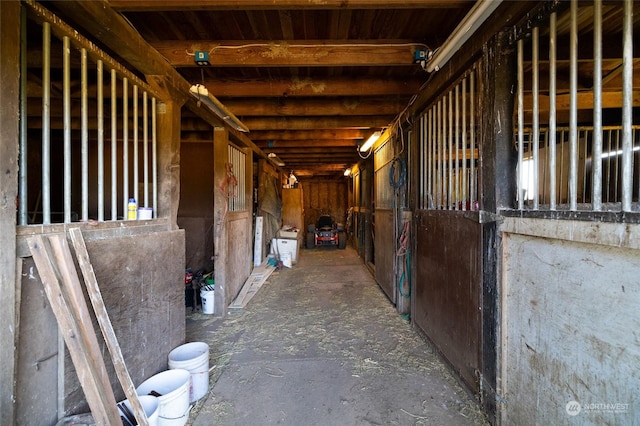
(287, 233)
(284, 245)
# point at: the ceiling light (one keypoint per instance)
(469, 24)
(347, 172)
(202, 94)
(369, 143)
(275, 159)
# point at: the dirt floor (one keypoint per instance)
(320, 344)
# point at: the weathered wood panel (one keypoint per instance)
(9, 87)
(142, 283)
(448, 288)
(570, 331)
(385, 253)
(325, 197)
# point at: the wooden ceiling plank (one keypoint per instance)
(166, 5)
(316, 134)
(313, 87)
(251, 107)
(311, 123)
(302, 53)
(266, 145)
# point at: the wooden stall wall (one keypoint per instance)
(325, 197)
(142, 282)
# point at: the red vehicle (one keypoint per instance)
(326, 233)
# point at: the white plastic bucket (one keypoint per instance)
(173, 402)
(193, 357)
(207, 301)
(149, 405)
(145, 213)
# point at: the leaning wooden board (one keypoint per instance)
(88, 363)
(102, 315)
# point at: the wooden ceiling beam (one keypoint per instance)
(312, 123)
(226, 88)
(277, 144)
(291, 53)
(250, 107)
(182, 5)
(316, 134)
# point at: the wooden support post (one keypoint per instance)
(86, 359)
(105, 325)
(9, 136)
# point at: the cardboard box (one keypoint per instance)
(286, 233)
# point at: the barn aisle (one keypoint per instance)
(321, 345)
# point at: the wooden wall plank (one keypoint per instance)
(100, 399)
(105, 325)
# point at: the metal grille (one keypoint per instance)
(236, 189)
(448, 152)
(100, 147)
(382, 165)
(572, 167)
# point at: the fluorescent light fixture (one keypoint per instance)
(347, 172)
(469, 25)
(275, 159)
(202, 94)
(369, 143)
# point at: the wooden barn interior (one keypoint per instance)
(504, 155)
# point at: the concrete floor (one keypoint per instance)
(320, 344)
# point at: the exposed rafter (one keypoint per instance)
(165, 5)
(291, 53)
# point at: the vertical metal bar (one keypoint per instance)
(627, 105)
(472, 140)
(443, 153)
(551, 141)
(125, 147)
(585, 139)
(66, 106)
(145, 148)
(114, 148)
(536, 117)
(450, 162)
(464, 143)
(100, 83)
(520, 124)
(434, 156)
(573, 108)
(608, 185)
(423, 178)
(457, 146)
(438, 159)
(154, 150)
(596, 149)
(46, 123)
(135, 160)
(616, 168)
(23, 203)
(84, 140)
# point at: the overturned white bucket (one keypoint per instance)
(207, 297)
(193, 357)
(150, 406)
(172, 386)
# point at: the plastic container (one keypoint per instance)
(149, 405)
(132, 209)
(207, 297)
(173, 402)
(193, 357)
(145, 213)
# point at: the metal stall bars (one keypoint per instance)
(76, 185)
(586, 167)
(236, 190)
(447, 139)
